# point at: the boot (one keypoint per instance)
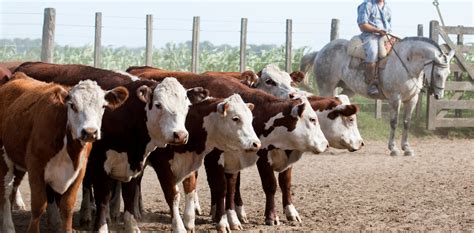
(371, 79)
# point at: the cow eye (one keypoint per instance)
(73, 107)
(158, 106)
(270, 82)
(351, 119)
(313, 120)
(236, 118)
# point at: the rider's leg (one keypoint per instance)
(370, 70)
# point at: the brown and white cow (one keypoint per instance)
(284, 124)
(249, 78)
(47, 130)
(153, 116)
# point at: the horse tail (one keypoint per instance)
(307, 61)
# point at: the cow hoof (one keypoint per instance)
(213, 213)
(272, 222)
(394, 152)
(409, 153)
(223, 225)
(241, 214)
(18, 204)
(292, 214)
(198, 210)
(131, 225)
(233, 220)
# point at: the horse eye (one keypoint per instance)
(158, 106)
(236, 118)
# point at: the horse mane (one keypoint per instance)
(424, 39)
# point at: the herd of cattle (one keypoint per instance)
(68, 125)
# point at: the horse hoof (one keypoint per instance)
(394, 153)
(409, 153)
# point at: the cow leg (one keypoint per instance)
(269, 187)
(394, 110)
(170, 190)
(197, 206)
(239, 204)
(18, 203)
(409, 106)
(38, 199)
(231, 180)
(85, 214)
(217, 183)
(52, 210)
(102, 187)
(8, 176)
(115, 203)
(130, 200)
(210, 172)
(68, 199)
(284, 179)
(189, 216)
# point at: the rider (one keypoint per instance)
(374, 18)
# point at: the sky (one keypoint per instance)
(124, 21)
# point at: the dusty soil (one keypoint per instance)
(338, 190)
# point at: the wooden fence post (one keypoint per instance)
(420, 96)
(195, 45)
(431, 110)
(98, 40)
(47, 42)
(334, 29)
(149, 40)
(458, 75)
(243, 44)
(288, 55)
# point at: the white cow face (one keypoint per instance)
(86, 103)
(304, 135)
(276, 82)
(340, 126)
(230, 127)
(166, 110)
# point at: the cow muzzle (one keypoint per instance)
(180, 138)
(89, 134)
(254, 146)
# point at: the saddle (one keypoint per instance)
(355, 49)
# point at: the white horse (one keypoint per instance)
(400, 81)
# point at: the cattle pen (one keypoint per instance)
(366, 190)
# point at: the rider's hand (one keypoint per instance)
(382, 32)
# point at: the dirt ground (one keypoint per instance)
(338, 190)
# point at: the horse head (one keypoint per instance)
(439, 73)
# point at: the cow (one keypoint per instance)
(280, 124)
(153, 116)
(214, 124)
(47, 130)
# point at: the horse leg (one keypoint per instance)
(408, 106)
(395, 109)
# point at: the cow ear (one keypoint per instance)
(297, 77)
(249, 78)
(197, 94)
(259, 74)
(62, 95)
(222, 108)
(116, 97)
(297, 110)
(144, 93)
(349, 110)
(251, 106)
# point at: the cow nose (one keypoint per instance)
(180, 137)
(256, 145)
(362, 144)
(89, 134)
(436, 96)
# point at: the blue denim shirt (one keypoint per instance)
(369, 12)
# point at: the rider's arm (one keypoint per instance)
(366, 27)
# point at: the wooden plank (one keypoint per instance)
(243, 44)
(288, 54)
(459, 86)
(454, 67)
(334, 29)
(98, 39)
(47, 42)
(149, 40)
(457, 104)
(195, 45)
(378, 109)
(455, 122)
(456, 96)
(459, 57)
(459, 30)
